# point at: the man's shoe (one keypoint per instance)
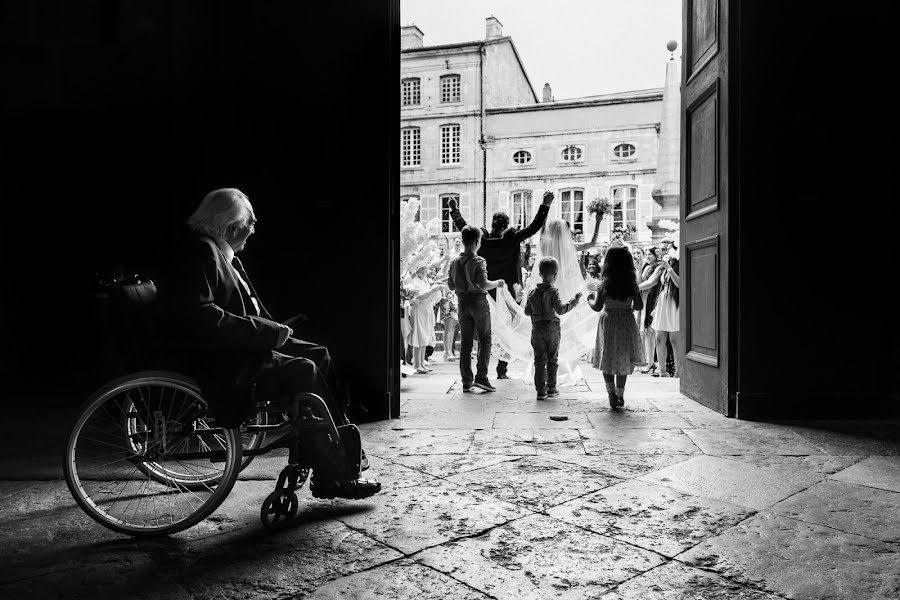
(502, 376)
(553, 392)
(467, 387)
(541, 396)
(355, 489)
(484, 384)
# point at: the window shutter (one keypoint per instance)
(503, 202)
(429, 208)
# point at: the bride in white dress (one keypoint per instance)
(511, 329)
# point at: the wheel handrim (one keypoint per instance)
(136, 477)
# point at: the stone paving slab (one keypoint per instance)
(534, 482)
(540, 557)
(600, 403)
(881, 472)
(678, 403)
(445, 465)
(410, 519)
(848, 507)
(528, 442)
(815, 467)
(446, 419)
(801, 560)
(839, 443)
(400, 580)
(675, 581)
(756, 440)
(574, 420)
(389, 442)
(611, 440)
(636, 420)
(257, 563)
(651, 516)
(625, 466)
(732, 481)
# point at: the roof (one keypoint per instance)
(476, 44)
(648, 95)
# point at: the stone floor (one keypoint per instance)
(487, 496)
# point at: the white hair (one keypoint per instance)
(218, 210)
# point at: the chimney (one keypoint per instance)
(548, 93)
(493, 28)
(411, 37)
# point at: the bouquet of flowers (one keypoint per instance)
(599, 207)
(407, 294)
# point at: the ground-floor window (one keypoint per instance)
(624, 206)
(571, 205)
(521, 208)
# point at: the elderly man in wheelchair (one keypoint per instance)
(206, 299)
(156, 452)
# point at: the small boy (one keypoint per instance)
(544, 307)
(468, 278)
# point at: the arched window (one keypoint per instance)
(571, 154)
(624, 206)
(450, 150)
(410, 147)
(521, 208)
(450, 88)
(572, 209)
(624, 150)
(411, 91)
(522, 157)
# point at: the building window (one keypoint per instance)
(450, 144)
(450, 88)
(624, 150)
(522, 157)
(411, 147)
(572, 209)
(521, 209)
(411, 94)
(571, 154)
(624, 206)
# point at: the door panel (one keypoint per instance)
(704, 239)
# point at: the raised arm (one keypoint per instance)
(561, 308)
(582, 246)
(539, 219)
(457, 217)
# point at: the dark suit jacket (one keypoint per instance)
(504, 260)
(204, 313)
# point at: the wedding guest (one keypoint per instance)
(468, 278)
(422, 316)
(650, 274)
(665, 315)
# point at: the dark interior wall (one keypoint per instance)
(816, 212)
(119, 116)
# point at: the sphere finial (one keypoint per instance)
(672, 46)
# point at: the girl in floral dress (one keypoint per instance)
(618, 348)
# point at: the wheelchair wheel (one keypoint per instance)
(145, 458)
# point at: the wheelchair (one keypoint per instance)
(146, 458)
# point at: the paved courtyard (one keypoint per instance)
(487, 496)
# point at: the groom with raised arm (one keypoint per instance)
(500, 249)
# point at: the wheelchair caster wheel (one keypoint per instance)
(278, 508)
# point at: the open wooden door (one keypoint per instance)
(706, 128)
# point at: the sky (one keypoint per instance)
(580, 47)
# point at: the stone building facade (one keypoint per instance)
(473, 129)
